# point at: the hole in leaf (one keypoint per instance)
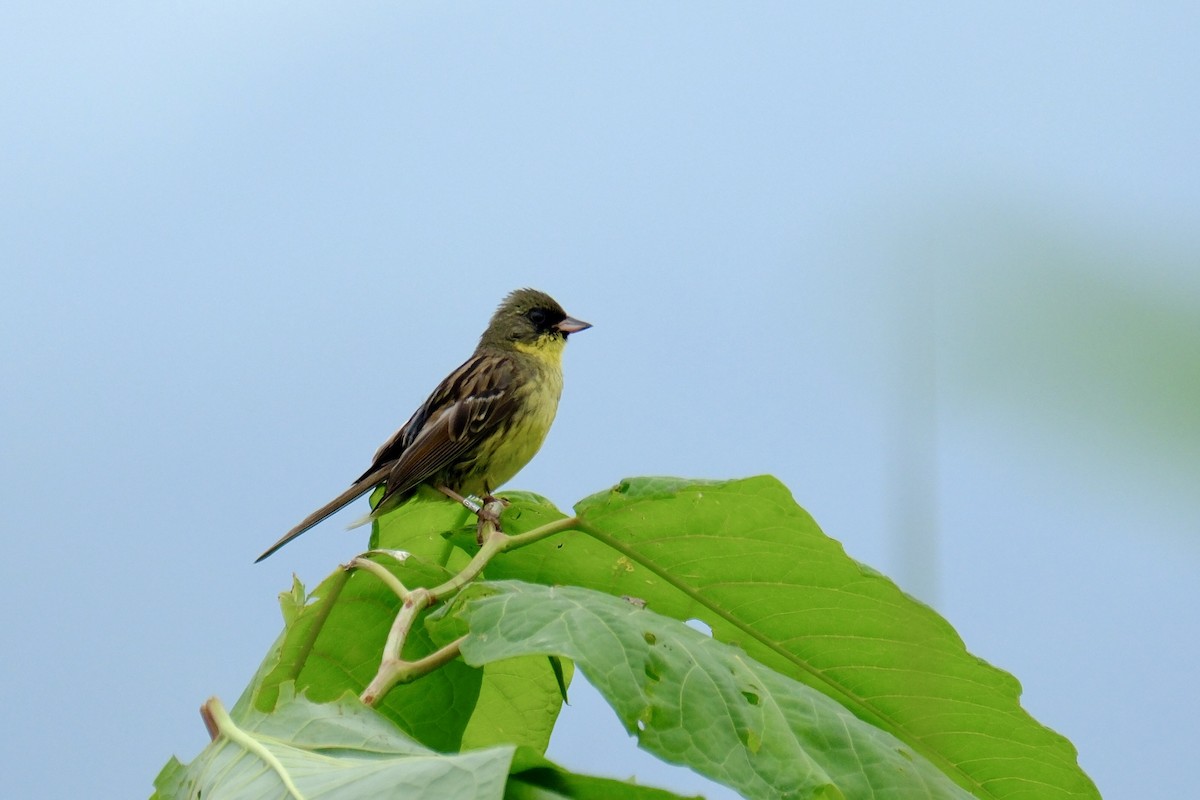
(752, 698)
(700, 626)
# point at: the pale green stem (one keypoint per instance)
(381, 572)
(537, 534)
(395, 670)
(392, 668)
(413, 605)
(493, 543)
(496, 542)
(438, 658)
(226, 727)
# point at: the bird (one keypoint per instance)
(481, 425)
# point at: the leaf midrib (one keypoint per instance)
(859, 706)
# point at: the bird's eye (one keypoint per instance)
(537, 316)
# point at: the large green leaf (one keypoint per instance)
(335, 751)
(745, 559)
(698, 702)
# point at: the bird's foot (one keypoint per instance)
(492, 500)
(489, 515)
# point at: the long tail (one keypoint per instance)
(363, 485)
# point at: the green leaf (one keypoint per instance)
(422, 527)
(518, 702)
(291, 602)
(171, 781)
(695, 701)
(745, 559)
(535, 778)
(334, 643)
(337, 750)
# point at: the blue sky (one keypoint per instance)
(937, 268)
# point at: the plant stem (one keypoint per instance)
(537, 534)
(381, 572)
(493, 543)
(215, 715)
(393, 668)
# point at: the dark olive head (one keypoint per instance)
(525, 317)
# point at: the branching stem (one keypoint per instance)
(393, 669)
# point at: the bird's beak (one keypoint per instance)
(572, 325)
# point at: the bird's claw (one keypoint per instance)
(489, 515)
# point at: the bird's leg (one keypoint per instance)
(467, 502)
(489, 512)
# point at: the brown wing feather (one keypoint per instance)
(456, 418)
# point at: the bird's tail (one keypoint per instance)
(360, 487)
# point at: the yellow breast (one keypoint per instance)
(529, 425)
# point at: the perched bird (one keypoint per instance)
(482, 424)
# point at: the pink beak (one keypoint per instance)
(572, 325)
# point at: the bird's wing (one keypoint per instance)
(461, 413)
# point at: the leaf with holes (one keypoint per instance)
(745, 559)
(695, 701)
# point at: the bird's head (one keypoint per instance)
(530, 321)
